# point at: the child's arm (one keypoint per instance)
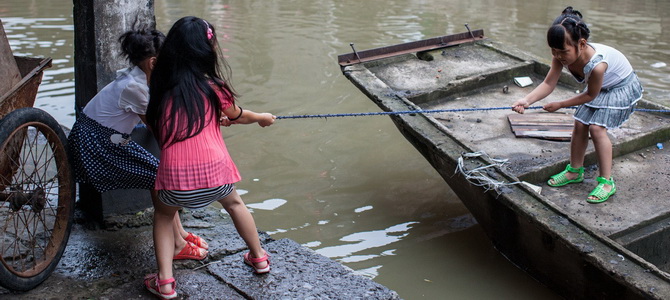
(594, 84)
(542, 90)
(237, 115)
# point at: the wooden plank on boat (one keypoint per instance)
(9, 71)
(550, 126)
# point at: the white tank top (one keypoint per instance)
(618, 67)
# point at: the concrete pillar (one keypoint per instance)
(98, 25)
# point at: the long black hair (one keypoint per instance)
(570, 22)
(140, 44)
(187, 65)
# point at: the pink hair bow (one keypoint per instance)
(210, 34)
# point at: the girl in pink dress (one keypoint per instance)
(102, 153)
(190, 99)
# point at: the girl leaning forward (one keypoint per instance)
(609, 100)
(189, 98)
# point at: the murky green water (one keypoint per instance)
(354, 189)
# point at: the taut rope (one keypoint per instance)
(430, 111)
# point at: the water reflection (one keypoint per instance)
(354, 189)
(52, 37)
(367, 240)
(270, 204)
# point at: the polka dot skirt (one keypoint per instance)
(108, 159)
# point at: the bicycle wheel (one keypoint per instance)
(36, 197)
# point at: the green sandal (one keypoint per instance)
(600, 194)
(560, 179)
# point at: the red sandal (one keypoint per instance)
(252, 261)
(190, 251)
(196, 240)
(156, 289)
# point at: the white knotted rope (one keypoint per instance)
(478, 176)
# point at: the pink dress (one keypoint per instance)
(201, 161)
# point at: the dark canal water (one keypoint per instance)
(354, 189)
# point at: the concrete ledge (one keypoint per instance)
(111, 264)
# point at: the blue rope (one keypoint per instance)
(430, 111)
(653, 110)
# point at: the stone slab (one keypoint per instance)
(298, 273)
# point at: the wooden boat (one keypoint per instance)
(613, 250)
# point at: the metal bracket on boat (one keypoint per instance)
(470, 32)
(411, 47)
(354, 49)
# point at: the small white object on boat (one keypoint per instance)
(523, 81)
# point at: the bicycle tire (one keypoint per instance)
(37, 193)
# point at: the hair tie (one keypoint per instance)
(571, 19)
(238, 116)
(584, 27)
(210, 34)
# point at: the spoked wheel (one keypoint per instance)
(36, 198)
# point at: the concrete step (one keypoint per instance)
(111, 264)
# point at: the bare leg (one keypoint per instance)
(245, 224)
(578, 144)
(179, 241)
(164, 240)
(603, 145)
(178, 228)
(181, 233)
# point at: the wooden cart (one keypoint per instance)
(36, 183)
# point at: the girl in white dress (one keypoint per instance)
(613, 89)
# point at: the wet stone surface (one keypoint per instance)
(111, 264)
(298, 273)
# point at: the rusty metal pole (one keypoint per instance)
(98, 25)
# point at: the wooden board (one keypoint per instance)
(550, 126)
(9, 71)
